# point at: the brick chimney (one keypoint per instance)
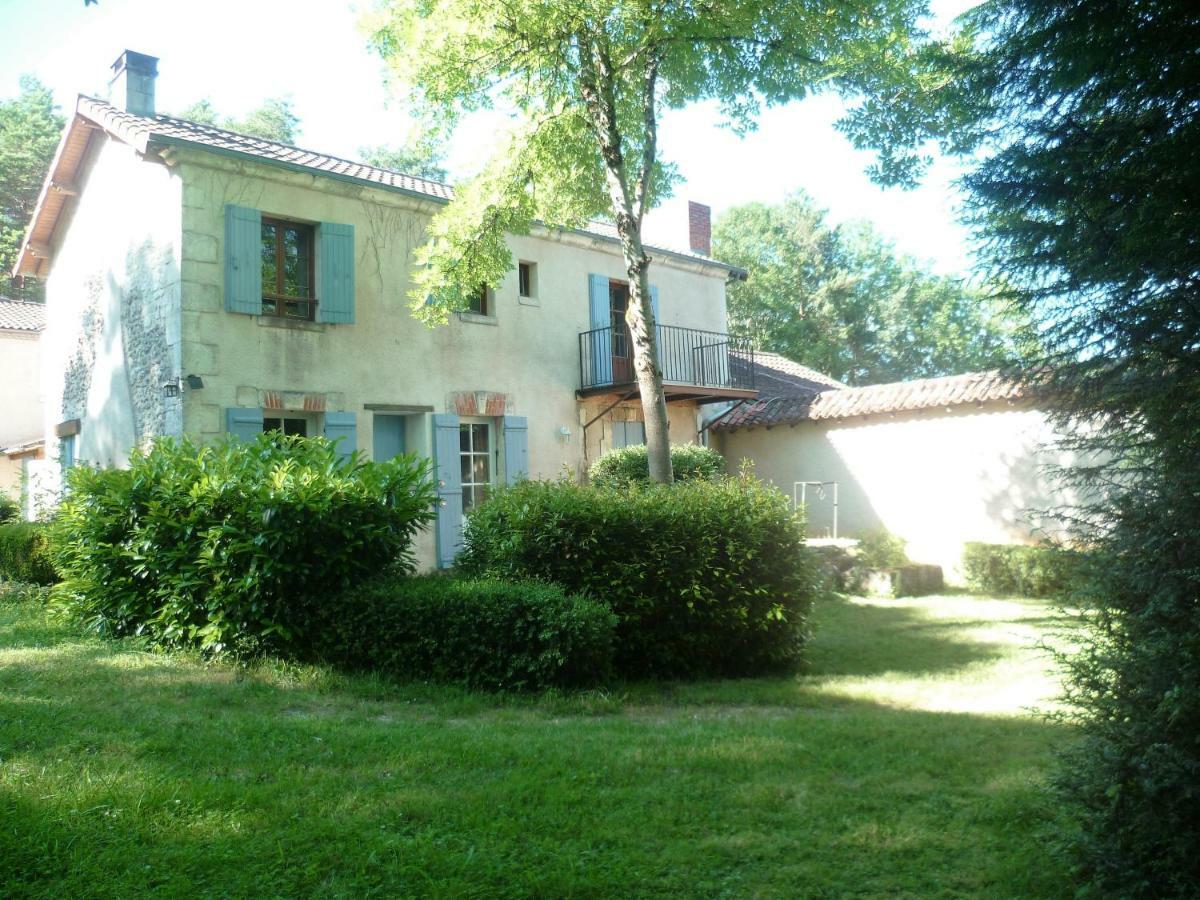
(132, 84)
(700, 228)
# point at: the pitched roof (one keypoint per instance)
(18, 315)
(830, 402)
(150, 133)
(778, 376)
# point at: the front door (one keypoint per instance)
(622, 344)
(389, 436)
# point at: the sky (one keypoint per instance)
(239, 52)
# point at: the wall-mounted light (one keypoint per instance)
(564, 433)
(173, 388)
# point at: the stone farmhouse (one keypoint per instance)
(201, 282)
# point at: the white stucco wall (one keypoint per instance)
(938, 479)
(529, 352)
(112, 307)
(20, 387)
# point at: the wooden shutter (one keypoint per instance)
(599, 367)
(243, 424)
(342, 427)
(448, 472)
(516, 448)
(335, 263)
(243, 260)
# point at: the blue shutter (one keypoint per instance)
(600, 351)
(335, 262)
(516, 448)
(447, 470)
(658, 335)
(243, 424)
(342, 427)
(243, 260)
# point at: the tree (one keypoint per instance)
(273, 120)
(30, 128)
(586, 83)
(1089, 119)
(842, 301)
(422, 158)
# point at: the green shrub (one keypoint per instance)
(25, 554)
(225, 546)
(484, 634)
(620, 468)
(10, 510)
(706, 578)
(881, 550)
(1043, 570)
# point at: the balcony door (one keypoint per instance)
(622, 341)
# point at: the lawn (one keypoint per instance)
(907, 761)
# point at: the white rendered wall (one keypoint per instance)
(938, 479)
(112, 307)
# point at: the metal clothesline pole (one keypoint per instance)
(802, 498)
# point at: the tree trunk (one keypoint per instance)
(639, 315)
(599, 97)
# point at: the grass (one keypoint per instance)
(906, 763)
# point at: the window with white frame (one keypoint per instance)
(476, 445)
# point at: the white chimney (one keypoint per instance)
(132, 85)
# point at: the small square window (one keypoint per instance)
(481, 302)
(527, 279)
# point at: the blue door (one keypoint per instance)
(389, 437)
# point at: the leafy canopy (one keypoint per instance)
(1090, 117)
(30, 127)
(840, 299)
(274, 120)
(584, 83)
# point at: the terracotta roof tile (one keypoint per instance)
(17, 315)
(141, 131)
(779, 407)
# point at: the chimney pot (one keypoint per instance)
(132, 84)
(700, 228)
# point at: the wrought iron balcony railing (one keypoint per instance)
(689, 357)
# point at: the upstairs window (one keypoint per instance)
(527, 279)
(287, 269)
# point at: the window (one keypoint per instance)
(66, 452)
(287, 269)
(287, 426)
(628, 434)
(527, 279)
(475, 453)
(481, 302)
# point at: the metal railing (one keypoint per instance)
(688, 356)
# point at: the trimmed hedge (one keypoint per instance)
(1042, 570)
(25, 554)
(482, 634)
(225, 547)
(707, 578)
(626, 465)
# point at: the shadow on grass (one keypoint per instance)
(863, 638)
(126, 774)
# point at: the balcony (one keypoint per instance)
(696, 365)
